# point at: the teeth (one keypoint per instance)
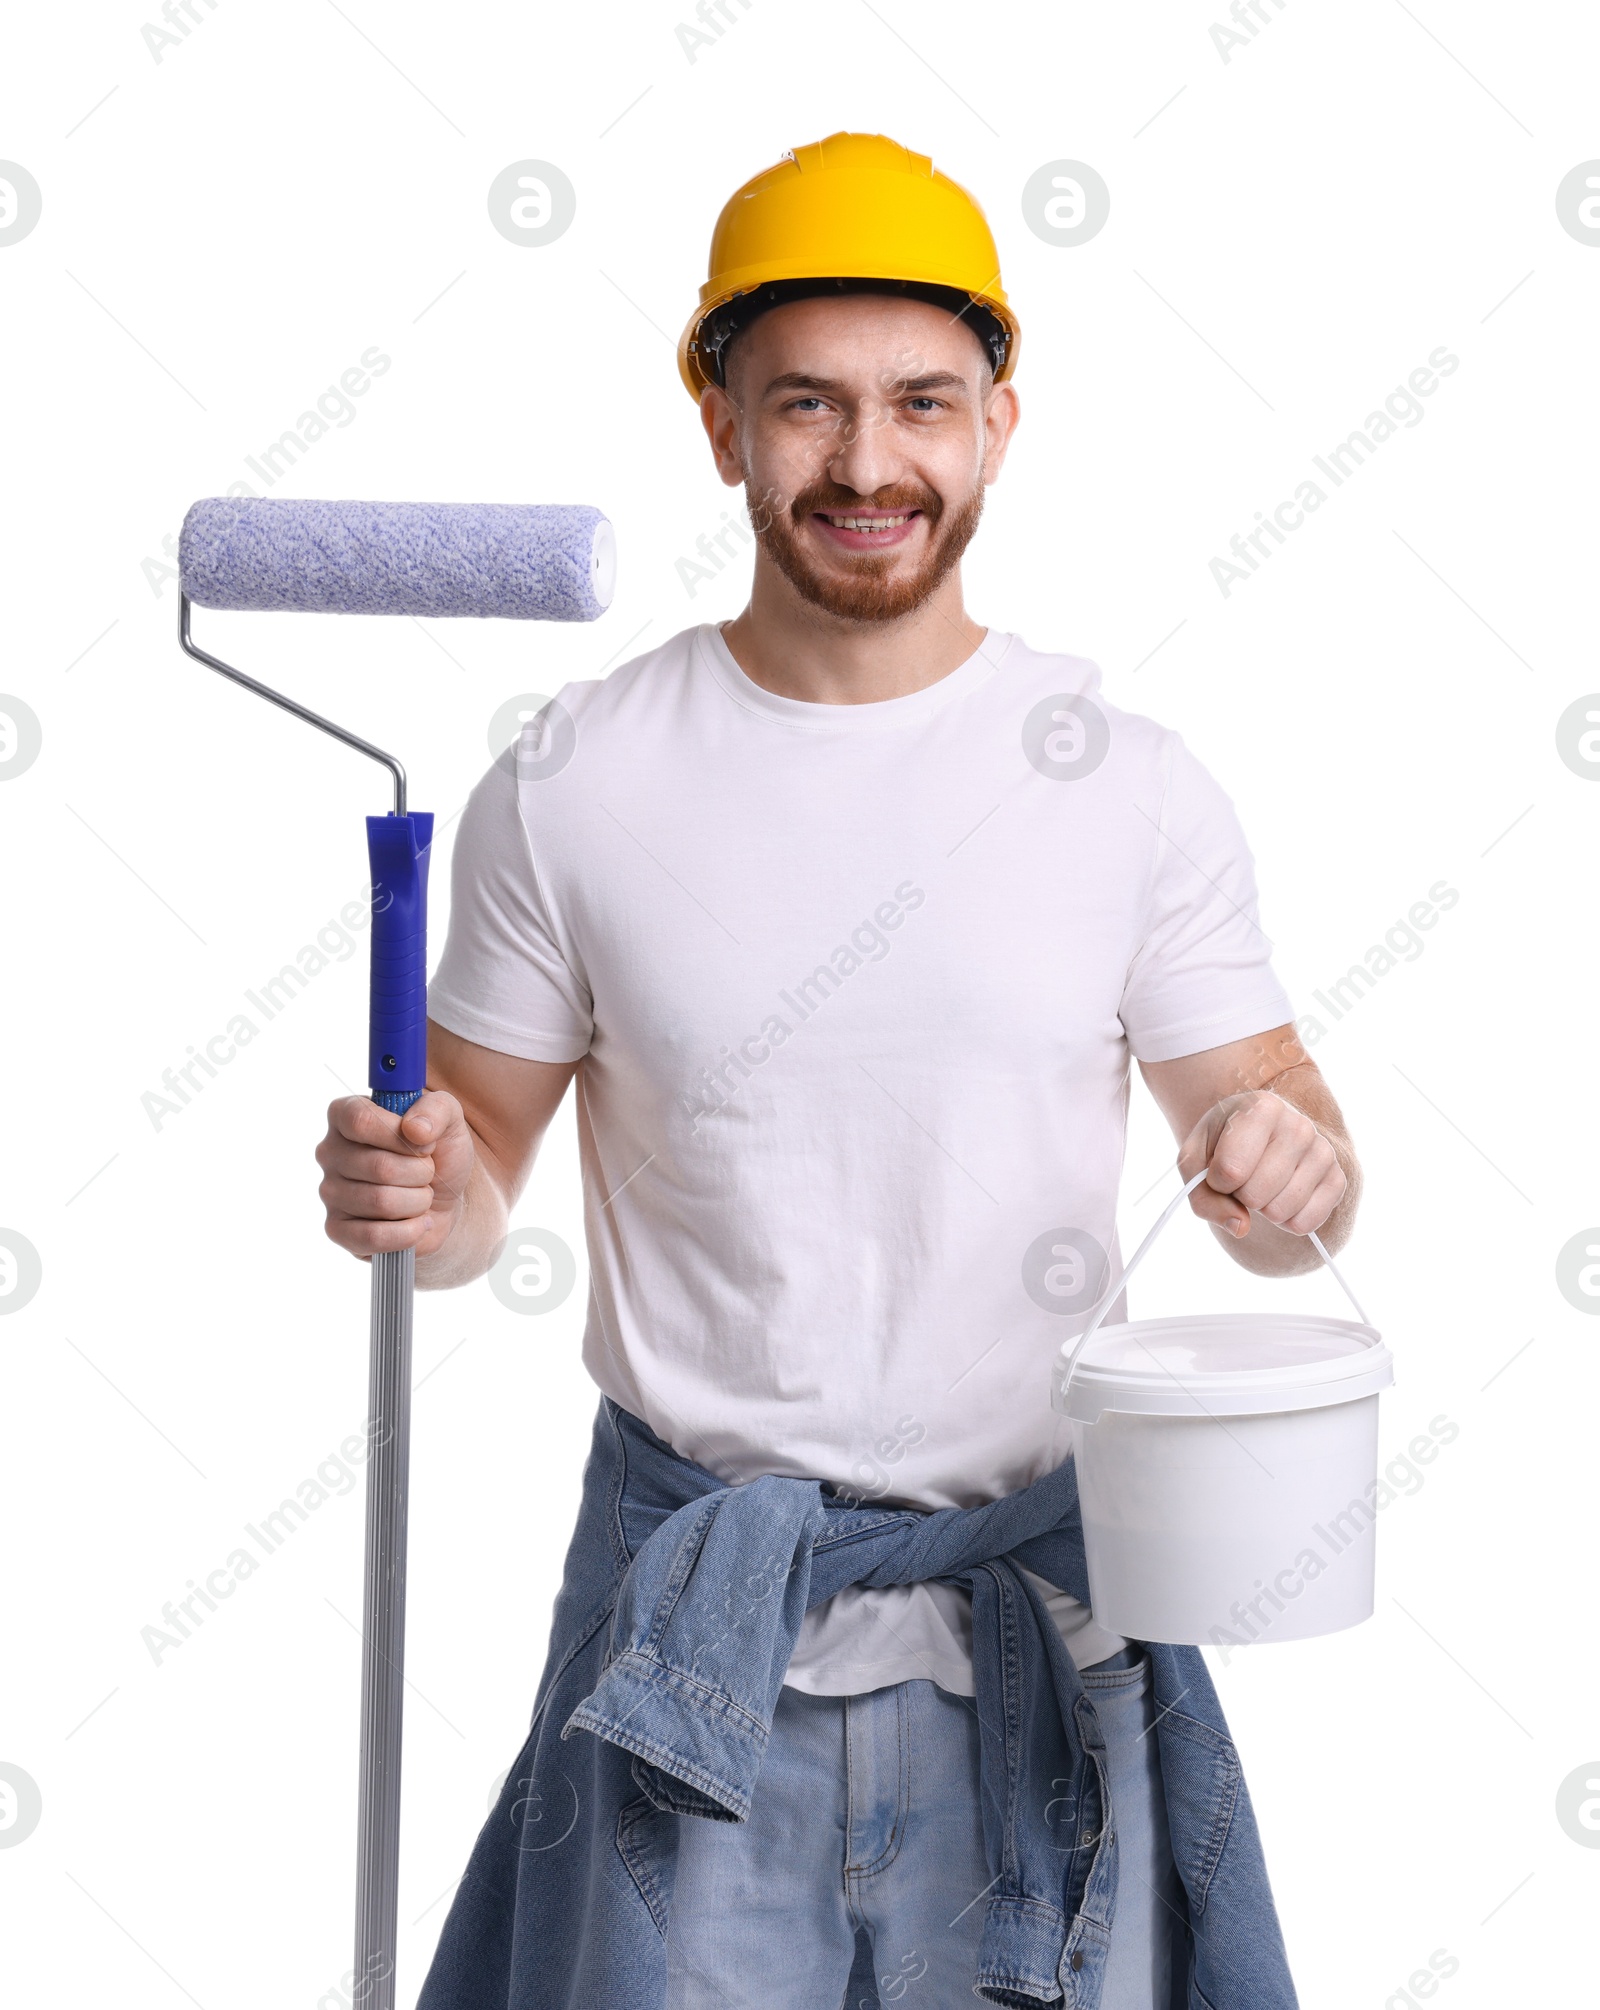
(866, 522)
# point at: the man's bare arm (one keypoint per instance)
(442, 1178)
(1258, 1114)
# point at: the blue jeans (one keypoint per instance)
(857, 1882)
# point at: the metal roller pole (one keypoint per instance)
(398, 850)
(383, 1631)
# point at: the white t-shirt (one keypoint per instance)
(854, 989)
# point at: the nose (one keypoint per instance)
(867, 458)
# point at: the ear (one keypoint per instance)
(1000, 419)
(720, 417)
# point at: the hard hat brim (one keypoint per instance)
(692, 359)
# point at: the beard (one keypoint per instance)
(876, 586)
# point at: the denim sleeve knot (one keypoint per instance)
(710, 1608)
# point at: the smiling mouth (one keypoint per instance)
(867, 523)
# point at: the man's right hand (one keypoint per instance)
(395, 1182)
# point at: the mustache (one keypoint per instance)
(830, 500)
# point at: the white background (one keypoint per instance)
(1292, 232)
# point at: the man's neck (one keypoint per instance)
(796, 650)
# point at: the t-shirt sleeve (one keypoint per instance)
(1202, 972)
(504, 980)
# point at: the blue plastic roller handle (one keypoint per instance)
(397, 1059)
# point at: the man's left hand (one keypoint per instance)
(1261, 1155)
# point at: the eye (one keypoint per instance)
(807, 404)
(923, 404)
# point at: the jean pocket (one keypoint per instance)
(1114, 1676)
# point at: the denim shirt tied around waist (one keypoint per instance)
(671, 1636)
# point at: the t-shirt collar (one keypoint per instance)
(881, 713)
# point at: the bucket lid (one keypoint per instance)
(1223, 1364)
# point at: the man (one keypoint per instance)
(846, 917)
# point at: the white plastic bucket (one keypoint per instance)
(1227, 1468)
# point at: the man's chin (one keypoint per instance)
(861, 596)
(873, 588)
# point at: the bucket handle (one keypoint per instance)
(1139, 1255)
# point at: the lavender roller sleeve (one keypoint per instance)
(510, 561)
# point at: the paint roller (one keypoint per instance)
(503, 561)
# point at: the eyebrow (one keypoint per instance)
(932, 380)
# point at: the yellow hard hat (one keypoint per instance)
(853, 208)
